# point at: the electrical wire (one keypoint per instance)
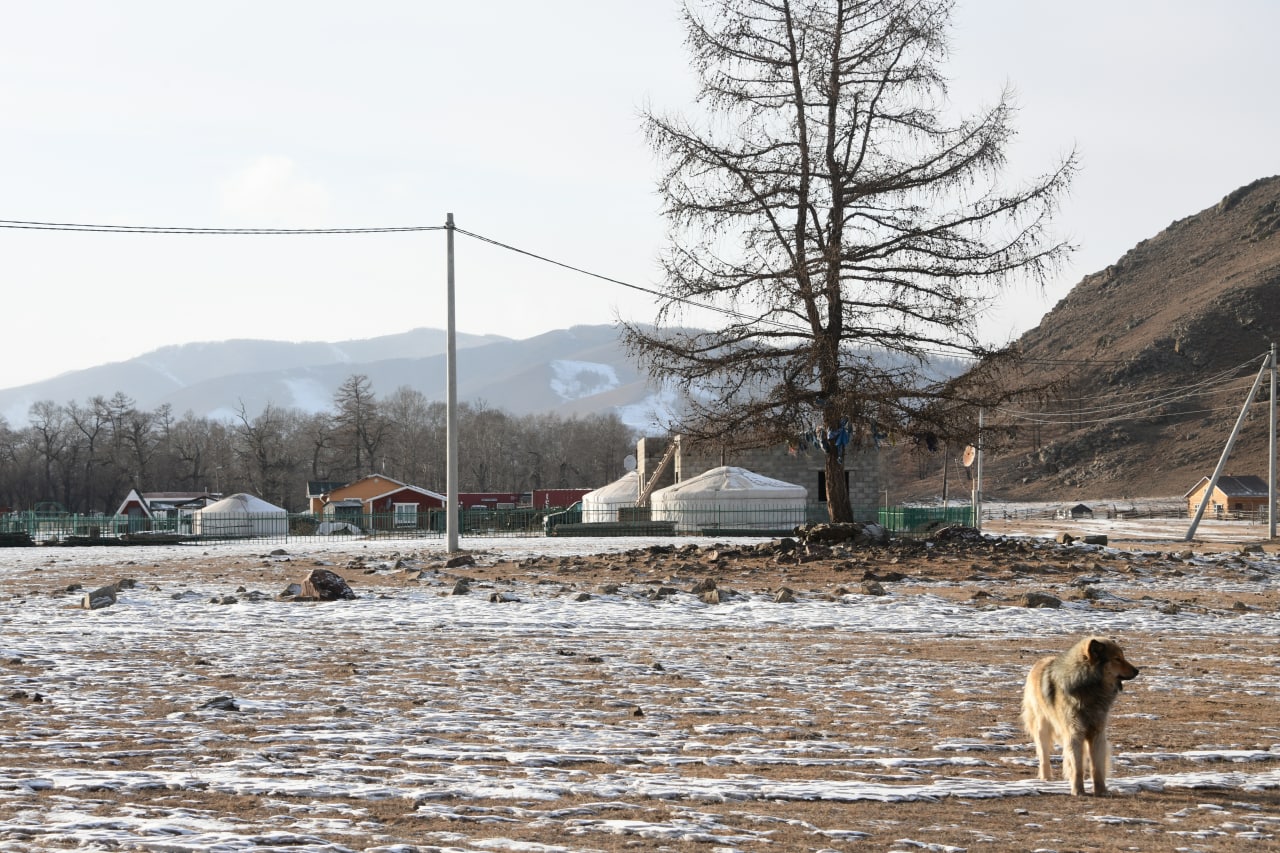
(729, 312)
(958, 352)
(1210, 386)
(173, 229)
(1134, 416)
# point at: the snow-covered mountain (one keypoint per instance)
(572, 371)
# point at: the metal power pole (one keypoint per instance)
(977, 482)
(1271, 453)
(1226, 451)
(451, 403)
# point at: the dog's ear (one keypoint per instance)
(1096, 651)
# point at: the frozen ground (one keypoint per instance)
(567, 717)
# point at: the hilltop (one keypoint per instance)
(1150, 360)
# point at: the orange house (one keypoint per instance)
(399, 504)
(1233, 496)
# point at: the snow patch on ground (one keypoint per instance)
(531, 702)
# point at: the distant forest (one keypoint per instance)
(87, 456)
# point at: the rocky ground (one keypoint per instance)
(746, 696)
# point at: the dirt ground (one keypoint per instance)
(1198, 698)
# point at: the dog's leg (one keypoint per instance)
(1044, 748)
(1100, 757)
(1073, 762)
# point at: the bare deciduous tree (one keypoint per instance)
(848, 228)
(358, 424)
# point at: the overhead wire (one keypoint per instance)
(1206, 387)
(958, 353)
(730, 312)
(174, 229)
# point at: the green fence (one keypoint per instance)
(46, 528)
(917, 520)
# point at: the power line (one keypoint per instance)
(1211, 385)
(174, 229)
(958, 352)
(729, 312)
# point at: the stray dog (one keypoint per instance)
(1067, 700)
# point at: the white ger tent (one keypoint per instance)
(730, 498)
(603, 504)
(240, 515)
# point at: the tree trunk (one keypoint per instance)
(838, 506)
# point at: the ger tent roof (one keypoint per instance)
(625, 489)
(240, 515)
(602, 504)
(241, 503)
(730, 497)
(729, 483)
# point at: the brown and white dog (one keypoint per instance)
(1067, 700)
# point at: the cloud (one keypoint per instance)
(270, 190)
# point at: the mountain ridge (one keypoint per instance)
(1151, 358)
(561, 369)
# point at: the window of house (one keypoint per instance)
(406, 515)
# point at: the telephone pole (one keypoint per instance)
(451, 404)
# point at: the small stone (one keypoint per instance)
(1039, 599)
(872, 588)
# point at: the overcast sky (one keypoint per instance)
(522, 120)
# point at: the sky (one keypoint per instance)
(522, 120)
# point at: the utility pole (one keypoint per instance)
(451, 404)
(1271, 453)
(977, 479)
(1226, 451)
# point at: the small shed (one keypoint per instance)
(240, 516)
(603, 503)
(730, 498)
(1077, 511)
(162, 510)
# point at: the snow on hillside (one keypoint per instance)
(573, 380)
(309, 395)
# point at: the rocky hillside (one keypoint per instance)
(1152, 359)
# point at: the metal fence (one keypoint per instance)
(35, 528)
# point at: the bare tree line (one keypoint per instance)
(87, 456)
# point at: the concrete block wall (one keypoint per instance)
(649, 451)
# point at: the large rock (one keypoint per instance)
(324, 585)
(856, 533)
(101, 597)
